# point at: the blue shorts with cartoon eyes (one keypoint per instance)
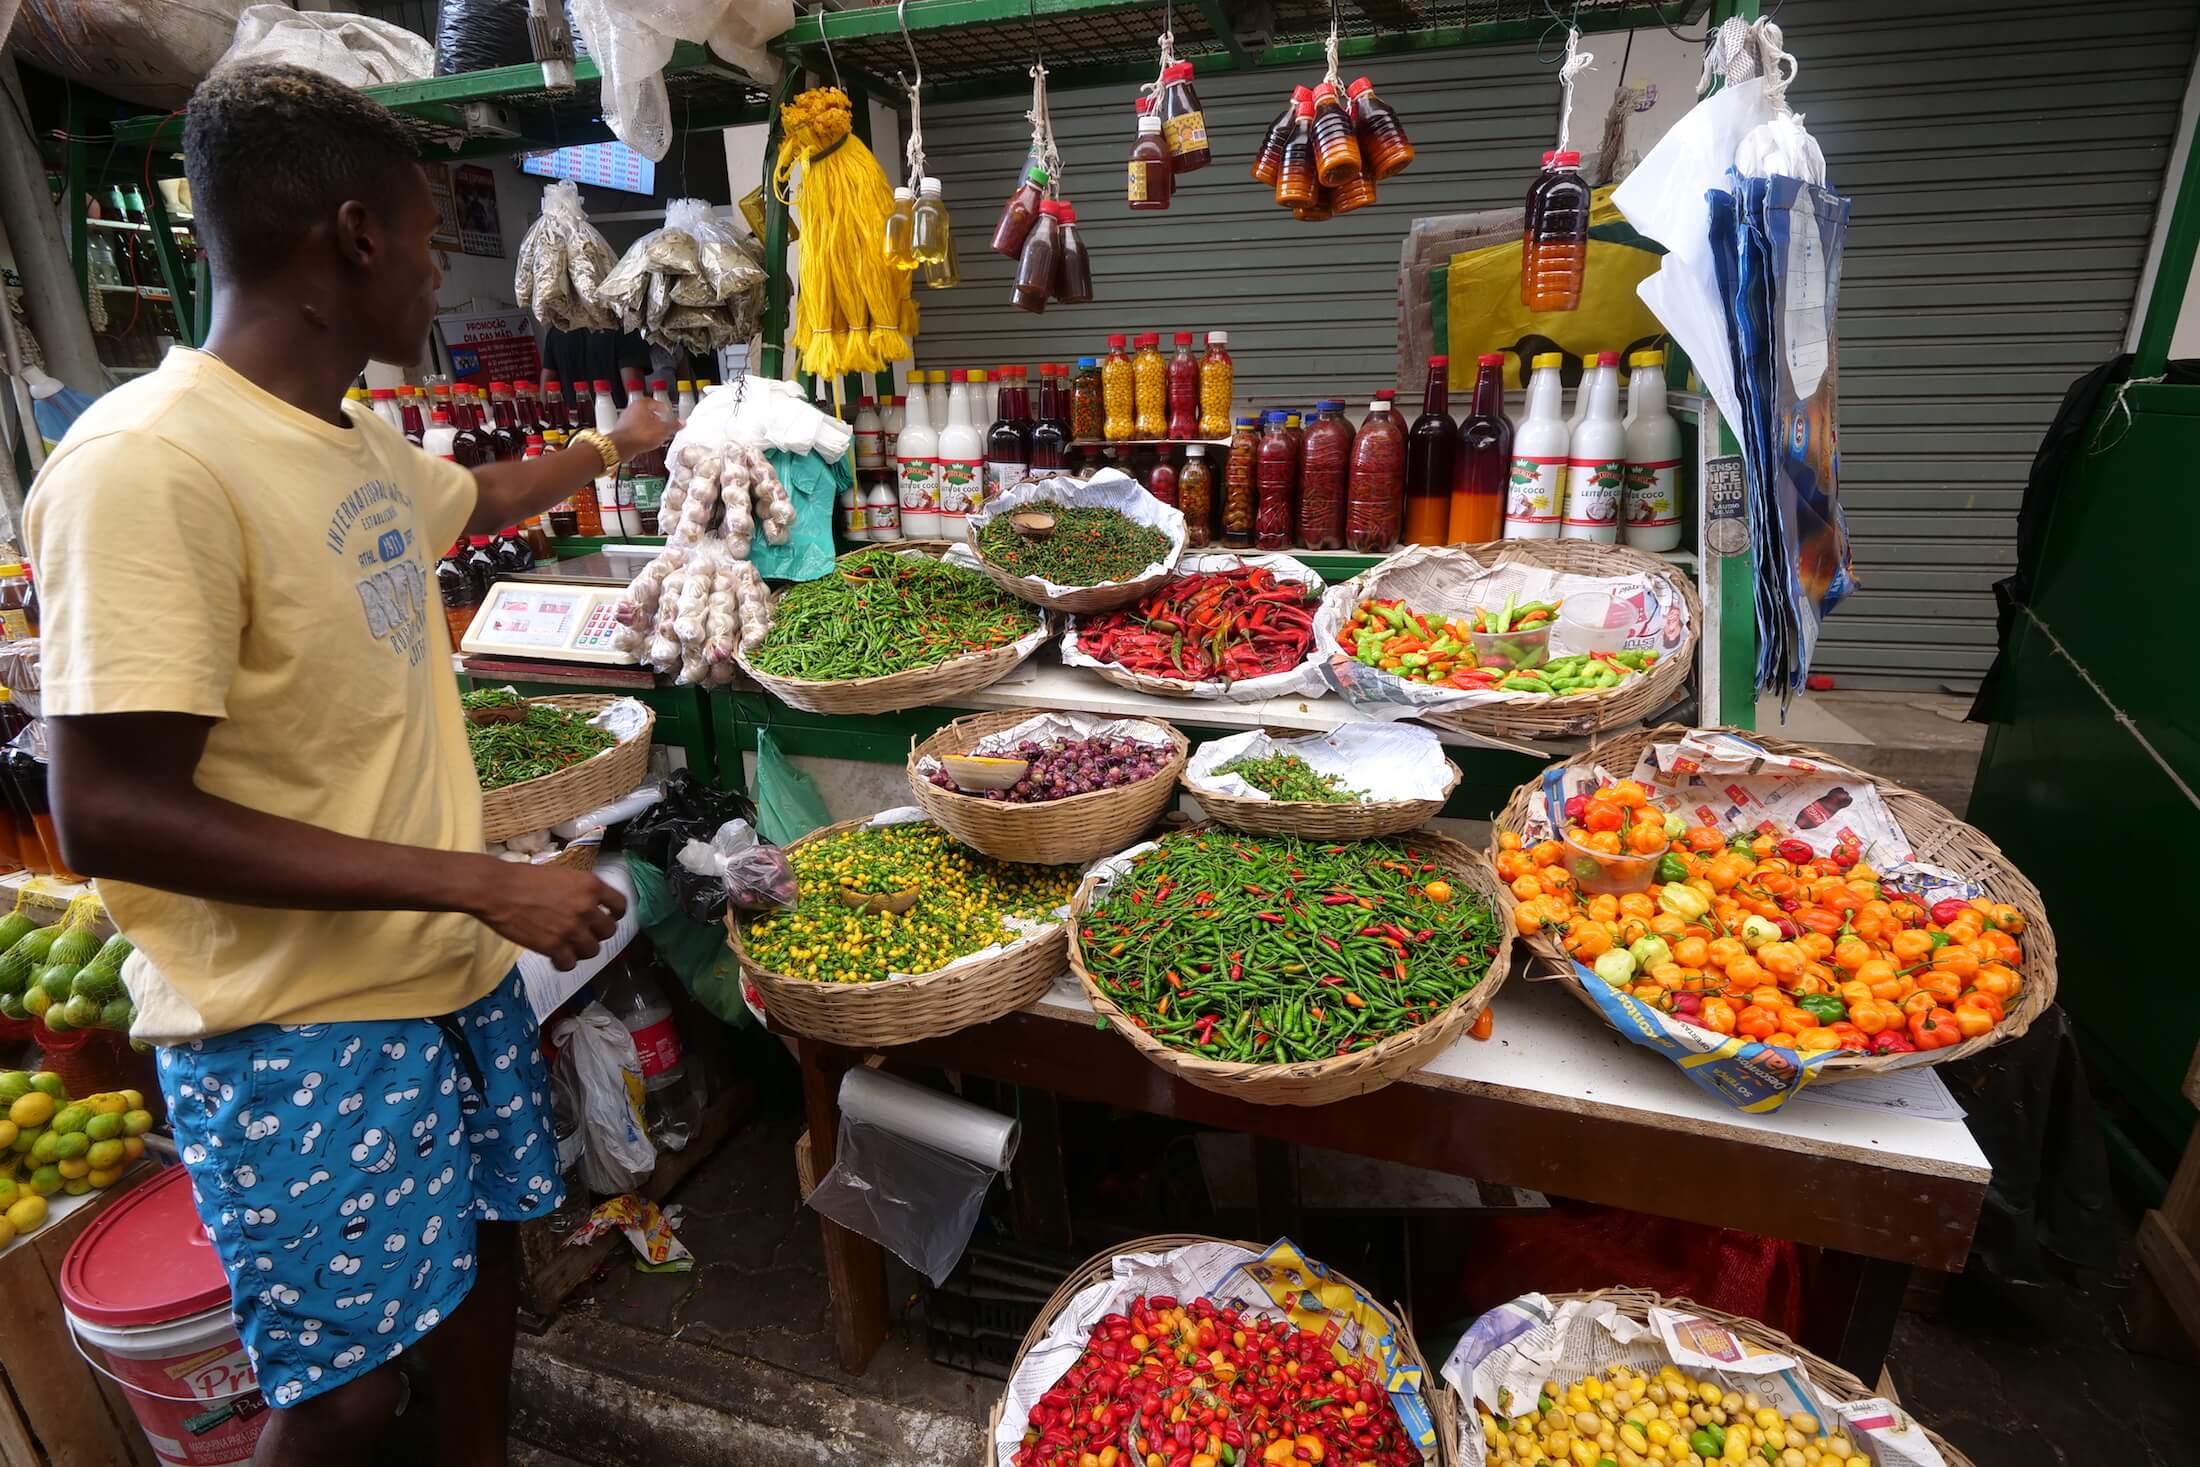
(340, 1170)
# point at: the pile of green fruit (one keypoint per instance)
(52, 1144)
(62, 975)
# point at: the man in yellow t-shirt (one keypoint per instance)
(257, 746)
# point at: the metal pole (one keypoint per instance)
(41, 256)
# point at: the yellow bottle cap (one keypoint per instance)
(683, 385)
(977, 374)
(1548, 359)
(1646, 359)
(10, 568)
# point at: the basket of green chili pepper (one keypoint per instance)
(850, 971)
(1078, 547)
(1310, 805)
(1286, 971)
(890, 629)
(554, 764)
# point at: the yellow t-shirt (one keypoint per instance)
(203, 547)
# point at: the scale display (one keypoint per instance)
(562, 623)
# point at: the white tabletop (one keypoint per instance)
(1549, 1048)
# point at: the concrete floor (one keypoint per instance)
(735, 1361)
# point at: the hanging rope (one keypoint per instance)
(1166, 42)
(1577, 61)
(1042, 131)
(1329, 50)
(913, 152)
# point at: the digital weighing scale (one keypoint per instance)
(551, 620)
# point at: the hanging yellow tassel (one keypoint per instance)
(852, 311)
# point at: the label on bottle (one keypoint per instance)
(1002, 475)
(1141, 184)
(1592, 493)
(15, 626)
(920, 485)
(870, 448)
(1653, 497)
(658, 1045)
(1184, 133)
(882, 520)
(648, 491)
(962, 482)
(1534, 491)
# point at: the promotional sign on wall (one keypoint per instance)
(490, 346)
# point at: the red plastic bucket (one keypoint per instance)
(144, 1290)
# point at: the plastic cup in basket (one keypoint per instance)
(1614, 873)
(873, 902)
(984, 773)
(1594, 622)
(1032, 524)
(1513, 651)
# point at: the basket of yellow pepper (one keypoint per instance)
(1796, 944)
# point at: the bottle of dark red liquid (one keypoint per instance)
(506, 438)
(1431, 446)
(1007, 451)
(469, 445)
(408, 411)
(1050, 430)
(1484, 459)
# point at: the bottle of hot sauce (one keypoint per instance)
(1432, 444)
(1485, 456)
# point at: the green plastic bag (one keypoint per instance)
(788, 806)
(697, 951)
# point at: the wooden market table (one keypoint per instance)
(1554, 1101)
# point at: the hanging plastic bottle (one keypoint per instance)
(917, 458)
(1555, 248)
(1152, 176)
(1358, 193)
(1217, 380)
(1323, 207)
(1336, 143)
(1073, 264)
(1535, 488)
(929, 224)
(1295, 173)
(1432, 443)
(1596, 461)
(1384, 147)
(1035, 267)
(1268, 162)
(1118, 393)
(1652, 516)
(1020, 212)
(1485, 453)
(1183, 122)
(1151, 373)
(901, 231)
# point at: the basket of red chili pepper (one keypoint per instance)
(1290, 972)
(1845, 925)
(1228, 626)
(1182, 1349)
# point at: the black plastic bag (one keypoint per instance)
(690, 810)
(475, 35)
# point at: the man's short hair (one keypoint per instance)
(272, 149)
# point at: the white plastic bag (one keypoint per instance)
(632, 40)
(743, 31)
(598, 1064)
(357, 50)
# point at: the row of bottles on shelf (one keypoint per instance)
(1312, 480)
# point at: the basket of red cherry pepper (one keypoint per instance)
(1280, 1361)
(1752, 932)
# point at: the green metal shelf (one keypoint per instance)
(975, 48)
(530, 113)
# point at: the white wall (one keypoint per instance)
(2185, 339)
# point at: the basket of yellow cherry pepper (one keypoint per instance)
(1756, 933)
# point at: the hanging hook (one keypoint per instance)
(826, 36)
(914, 152)
(901, 18)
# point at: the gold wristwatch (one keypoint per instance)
(603, 445)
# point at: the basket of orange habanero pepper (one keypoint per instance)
(1767, 916)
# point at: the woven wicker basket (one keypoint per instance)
(894, 691)
(902, 1010)
(1083, 598)
(1170, 687)
(1063, 832)
(1936, 835)
(538, 804)
(1316, 820)
(1828, 1379)
(1317, 1082)
(1635, 699)
(1443, 1406)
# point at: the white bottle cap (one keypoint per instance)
(903, 196)
(1195, 450)
(1218, 338)
(931, 187)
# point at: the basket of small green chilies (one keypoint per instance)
(1284, 971)
(567, 755)
(901, 933)
(1076, 545)
(890, 629)
(1353, 783)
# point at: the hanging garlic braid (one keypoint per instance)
(853, 312)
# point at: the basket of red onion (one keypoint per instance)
(1050, 789)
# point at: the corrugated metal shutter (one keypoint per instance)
(2005, 158)
(1311, 308)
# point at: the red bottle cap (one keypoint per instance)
(1386, 395)
(603, 384)
(1325, 90)
(382, 394)
(534, 440)
(1548, 155)
(478, 540)
(958, 375)
(1306, 104)
(1183, 338)
(1301, 94)
(1068, 211)
(552, 384)
(1117, 342)
(1182, 71)
(1490, 359)
(1142, 105)
(1607, 358)
(657, 384)
(1568, 159)
(1435, 362)
(1359, 89)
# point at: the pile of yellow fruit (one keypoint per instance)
(1625, 1419)
(50, 1143)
